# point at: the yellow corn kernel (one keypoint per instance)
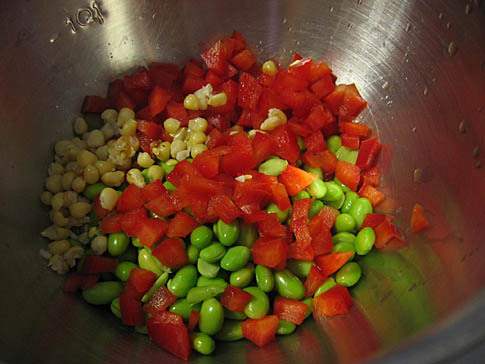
(81, 144)
(113, 179)
(80, 126)
(104, 167)
(177, 146)
(144, 160)
(109, 130)
(78, 184)
(85, 158)
(70, 197)
(275, 118)
(58, 264)
(197, 149)
(61, 147)
(197, 137)
(219, 99)
(171, 125)
(155, 172)
(183, 154)
(91, 174)
(198, 124)
(203, 94)
(54, 232)
(109, 115)
(67, 179)
(58, 218)
(95, 138)
(57, 201)
(73, 253)
(79, 209)
(74, 167)
(55, 168)
(161, 150)
(135, 177)
(124, 115)
(109, 198)
(54, 183)
(99, 244)
(269, 67)
(129, 128)
(191, 102)
(59, 246)
(181, 134)
(102, 153)
(46, 197)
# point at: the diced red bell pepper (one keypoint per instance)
(372, 194)
(137, 81)
(77, 281)
(241, 158)
(111, 223)
(171, 253)
(285, 80)
(385, 232)
(208, 162)
(319, 117)
(244, 60)
(299, 218)
(144, 114)
(161, 299)
(301, 68)
(182, 172)
(315, 142)
(114, 89)
(355, 129)
(145, 142)
(192, 84)
(368, 153)
(326, 160)
(269, 253)
(162, 205)
(251, 119)
(153, 190)
(170, 336)
(335, 301)
(348, 174)
(269, 99)
(372, 177)
(297, 127)
(213, 79)
(240, 41)
(332, 262)
(177, 111)
(263, 147)
(280, 196)
(151, 230)
(346, 102)
(301, 250)
(139, 98)
(350, 141)
(131, 291)
(270, 227)
(131, 311)
(319, 70)
(329, 215)
(215, 58)
(181, 225)
(335, 99)
(249, 91)
(290, 310)
(221, 205)
(419, 222)
(124, 100)
(313, 281)
(296, 179)
(193, 68)
(250, 196)
(168, 317)
(230, 88)
(373, 220)
(266, 80)
(285, 143)
(260, 331)
(295, 57)
(142, 279)
(130, 199)
(158, 99)
(98, 210)
(150, 129)
(94, 264)
(131, 220)
(321, 238)
(235, 299)
(96, 104)
(193, 320)
(323, 86)
(216, 139)
(160, 77)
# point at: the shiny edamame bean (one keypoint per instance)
(169, 186)
(334, 192)
(350, 198)
(213, 253)
(102, 293)
(203, 343)
(364, 241)
(301, 196)
(347, 155)
(211, 316)
(264, 278)
(248, 234)
(205, 281)
(359, 209)
(273, 209)
(288, 285)
(193, 253)
(344, 223)
(147, 261)
(235, 258)
(118, 243)
(317, 171)
(308, 302)
(349, 274)
(123, 270)
(91, 191)
(201, 237)
(300, 268)
(183, 281)
(285, 327)
(115, 307)
(345, 247)
(242, 277)
(259, 305)
(343, 237)
(317, 189)
(315, 208)
(184, 307)
(231, 331)
(329, 283)
(342, 186)
(334, 143)
(199, 294)
(161, 281)
(207, 269)
(337, 204)
(227, 233)
(136, 242)
(273, 166)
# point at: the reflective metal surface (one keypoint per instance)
(421, 66)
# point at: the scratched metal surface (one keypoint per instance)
(397, 52)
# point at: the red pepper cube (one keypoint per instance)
(418, 220)
(290, 310)
(98, 210)
(181, 225)
(296, 179)
(270, 227)
(171, 253)
(158, 99)
(285, 143)
(301, 68)
(173, 337)
(131, 311)
(161, 299)
(329, 215)
(335, 301)
(235, 299)
(130, 199)
(111, 223)
(350, 141)
(299, 219)
(151, 230)
(313, 281)
(368, 153)
(150, 129)
(373, 220)
(96, 104)
(315, 142)
(385, 232)
(249, 92)
(94, 264)
(372, 177)
(323, 86)
(153, 190)
(319, 117)
(244, 60)
(285, 80)
(260, 331)
(263, 147)
(162, 205)
(372, 194)
(332, 262)
(137, 81)
(222, 206)
(215, 58)
(319, 70)
(280, 196)
(131, 220)
(301, 250)
(355, 129)
(193, 320)
(77, 281)
(141, 279)
(348, 174)
(241, 158)
(269, 253)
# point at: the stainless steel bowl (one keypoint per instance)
(421, 66)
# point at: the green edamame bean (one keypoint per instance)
(301, 143)
(199, 294)
(144, 173)
(102, 293)
(317, 189)
(183, 281)
(184, 307)
(308, 302)
(329, 283)
(74, 242)
(347, 155)
(300, 268)
(350, 198)
(141, 330)
(364, 241)
(344, 223)
(201, 237)
(259, 305)
(118, 243)
(273, 209)
(136, 242)
(233, 315)
(115, 307)
(264, 278)
(317, 171)
(156, 216)
(273, 166)
(343, 237)
(334, 143)
(161, 281)
(227, 233)
(203, 343)
(285, 327)
(349, 274)
(147, 261)
(207, 269)
(242, 277)
(193, 253)
(248, 234)
(334, 192)
(301, 196)
(91, 191)
(345, 247)
(288, 285)
(315, 208)
(211, 316)
(359, 209)
(169, 186)
(337, 204)
(231, 331)
(205, 281)
(168, 166)
(213, 253)
(342, 186)
(123, 270)
(235, 258)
